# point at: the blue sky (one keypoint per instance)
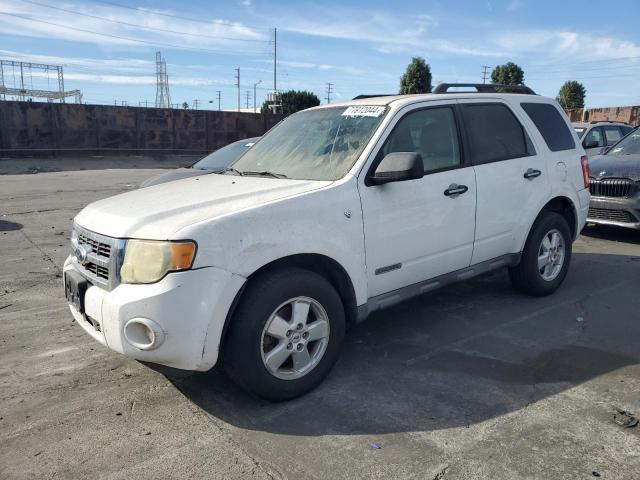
(359, 46)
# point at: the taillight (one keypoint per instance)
(584, 161)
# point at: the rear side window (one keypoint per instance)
(494, 133)
(551, 125)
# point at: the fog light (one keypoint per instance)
(143, 333)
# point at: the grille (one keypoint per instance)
(612, 187)
(613, 215)
(103, 261)
(102, 249)
(97, 270)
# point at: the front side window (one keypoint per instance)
(612, 135)
(551, 125)
(580, 131)
(494, 133)
(593, 139)
(318, 144)
(431, 133)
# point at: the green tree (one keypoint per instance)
(293, 101)
(507, 74)
(571, 95)
(417, 77)
(185, 105)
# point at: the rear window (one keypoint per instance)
(551, 125)
(494, 133)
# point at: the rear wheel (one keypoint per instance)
(285, 335)
(545, 258)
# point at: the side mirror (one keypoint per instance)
(397, 167)
(591, 144)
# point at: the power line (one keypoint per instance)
(143, 27)
(156, 44)
(190, 19)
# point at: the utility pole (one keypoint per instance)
(485, 69)
(196, 103)
(329, 85)
(238, 85)
(248, 96)
(254, 94)
(219, 96)
(275, 59)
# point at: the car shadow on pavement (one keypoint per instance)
(6, 226)
(616, 234)
(455, 357)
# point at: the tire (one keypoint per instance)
(249, 342)
(527, 277)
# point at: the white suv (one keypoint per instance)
(338, 211)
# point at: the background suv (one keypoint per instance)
(597, 135)
(338, 211)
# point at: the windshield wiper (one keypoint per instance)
(266, 173)
(231, 169)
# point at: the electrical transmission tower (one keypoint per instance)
(219, 97)
(23, 86)
(196, 104)
(329, 86)
(238, 85)
(163, 99)
(485, 73)
(247, 97)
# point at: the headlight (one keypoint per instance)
(147, 261)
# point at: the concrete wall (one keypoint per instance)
(32, 127)
(630, 115)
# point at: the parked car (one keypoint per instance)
(339, 211)
(615, 184)
(597, 135)
(212, 163)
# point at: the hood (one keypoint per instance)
(171, 175)
(615, 166)
(159, 211)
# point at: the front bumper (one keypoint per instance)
(619, 212)
(186, 310)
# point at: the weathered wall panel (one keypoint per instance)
(28, 127)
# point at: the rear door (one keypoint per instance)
(512, 180)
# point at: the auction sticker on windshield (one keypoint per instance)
(363, 111)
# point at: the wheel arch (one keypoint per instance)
(565, 207)
(323, 265)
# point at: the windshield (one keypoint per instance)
(580, 131)
(320, 144)
(224, 156)
(629, 145)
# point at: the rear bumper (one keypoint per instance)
(619, 212)
(185, 312)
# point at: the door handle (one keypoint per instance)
(454, 190)
(532, 173)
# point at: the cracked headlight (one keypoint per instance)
(147, 261)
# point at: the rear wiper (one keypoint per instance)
(266, 173)
(231, 169)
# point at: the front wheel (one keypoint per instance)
(545, 258)
(285, 335)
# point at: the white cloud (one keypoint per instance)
(210, 33)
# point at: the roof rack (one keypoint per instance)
(484, 88)
(360, 97)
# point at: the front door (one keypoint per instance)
(419, 229)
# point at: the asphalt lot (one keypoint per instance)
(472, 381)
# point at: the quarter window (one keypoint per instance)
(431, 133)
(551, 126)
(494, 133)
